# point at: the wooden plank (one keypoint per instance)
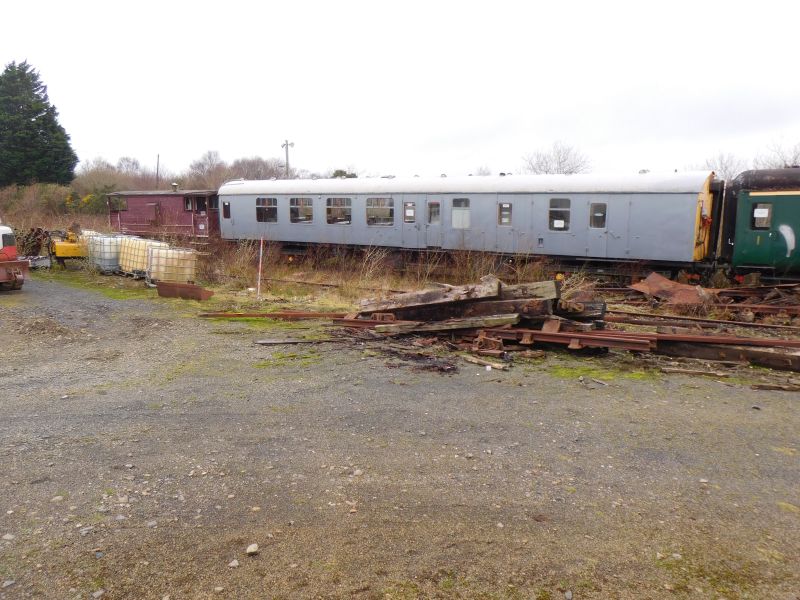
(489, 287)
(526, 308)
(452, 324)
(487, 363)
(543, 290)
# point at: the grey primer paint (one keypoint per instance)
(626, 225)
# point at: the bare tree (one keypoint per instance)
(482, 171)
(208, 172)
(725, 165)
(257, 168)
(778, 157)
(560, 158)
(128, 165)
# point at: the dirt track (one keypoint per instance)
(142, 450)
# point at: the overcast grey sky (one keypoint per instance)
(415, 87)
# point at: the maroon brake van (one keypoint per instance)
(178, 213)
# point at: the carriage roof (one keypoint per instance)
(669, 183)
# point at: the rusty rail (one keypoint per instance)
(634, 318)
(771, 309)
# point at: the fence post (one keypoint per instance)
(260, 257)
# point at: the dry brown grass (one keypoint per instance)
(420, 269)
(356, 273)
(42, 205)
(469, 265)
(230, 265)
(576, 283)
(524, 268)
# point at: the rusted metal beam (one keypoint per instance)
(634, 318)
(727, 339)
(186, 291)
(287, 315)
(767, 309)
(575, 340)
(733, 340)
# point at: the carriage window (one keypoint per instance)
(8, 240)
(267, 210)
(301, 210)
(460, 214)
(339, 211)
(762, 216)
(504, 213)
(434, 215)
(380, 211)
(226, 210)
(409, 212)
(201, 204)
(559, 214)
(117, 203)
(597, 215)
(187, 204)
(213, 203)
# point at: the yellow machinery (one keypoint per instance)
(69, 244)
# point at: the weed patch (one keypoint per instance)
(590, 371)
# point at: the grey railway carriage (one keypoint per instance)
(648, 217)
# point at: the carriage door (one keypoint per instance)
(201, 216)
(433, 223)
(597, 240)
(764, 232)
(153, 214)
(413, 221)
(506, 241)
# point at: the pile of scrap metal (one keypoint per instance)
(40, 247)
(494, 322)
(775, 304)
(493, 319)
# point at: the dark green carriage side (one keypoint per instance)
(767, 220)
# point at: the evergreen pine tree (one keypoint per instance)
(33, 146)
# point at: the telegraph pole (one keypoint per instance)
(287, 144)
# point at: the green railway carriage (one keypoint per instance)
(763, 210)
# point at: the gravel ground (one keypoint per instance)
(142, 450)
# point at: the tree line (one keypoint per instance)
(37, 162)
